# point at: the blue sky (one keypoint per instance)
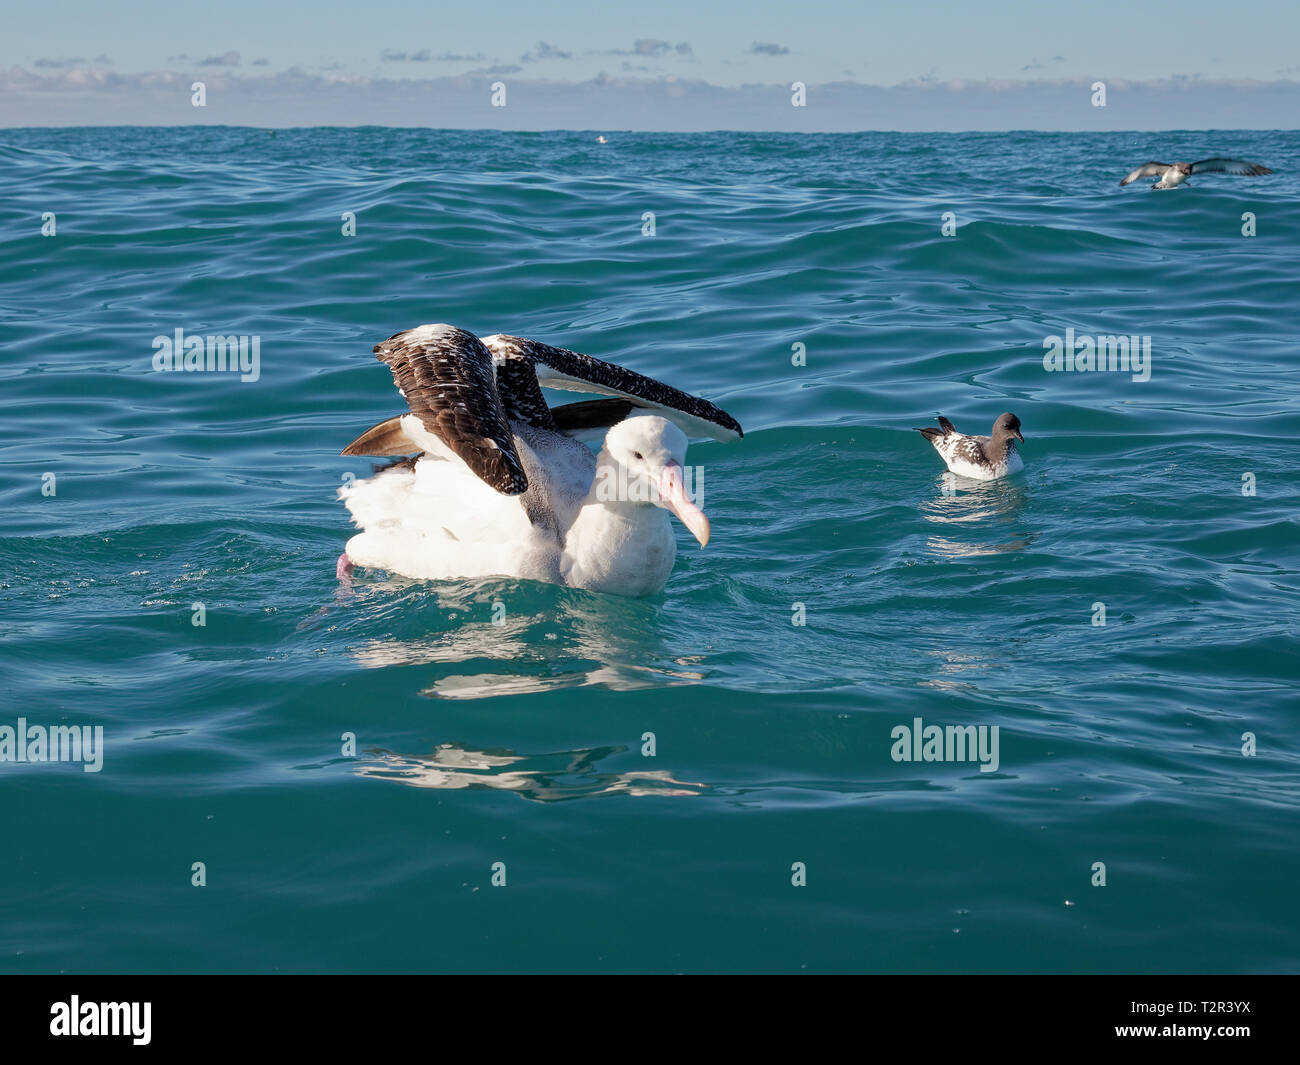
(672, 64)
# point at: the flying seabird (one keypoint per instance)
(984, 458)
(1174, 174)
(498, 483)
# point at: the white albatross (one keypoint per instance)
(502, 484)
(1174, 174)
(982, 458)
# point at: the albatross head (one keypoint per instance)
(641, 462)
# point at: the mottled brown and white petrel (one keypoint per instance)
(982, 458)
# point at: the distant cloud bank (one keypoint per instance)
(62, 92)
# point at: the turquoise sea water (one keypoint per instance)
(521, 743)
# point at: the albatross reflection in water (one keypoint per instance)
(498, 639)
(551, 777)
(548, 639)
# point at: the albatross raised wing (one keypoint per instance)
(571, 371)
(446, 377)
(468, 397)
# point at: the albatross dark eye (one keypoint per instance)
(637, 455)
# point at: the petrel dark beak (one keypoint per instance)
(1019, 437)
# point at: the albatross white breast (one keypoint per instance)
(500, 484)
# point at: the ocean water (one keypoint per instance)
(1171, 502)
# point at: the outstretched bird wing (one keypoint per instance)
(467, 392)
(1146, 170)
(1229, 166)
(519, 359)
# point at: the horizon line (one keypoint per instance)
(629, 130)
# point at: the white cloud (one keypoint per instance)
(227, 59)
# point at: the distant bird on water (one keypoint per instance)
(1174, 174)
(983, 458)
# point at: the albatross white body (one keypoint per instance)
(594, 521)
(438, 521)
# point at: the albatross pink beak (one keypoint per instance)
(672, 494)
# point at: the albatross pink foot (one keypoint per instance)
(343, 569)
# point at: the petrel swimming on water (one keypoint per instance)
(984, 458)
(1174, 174)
